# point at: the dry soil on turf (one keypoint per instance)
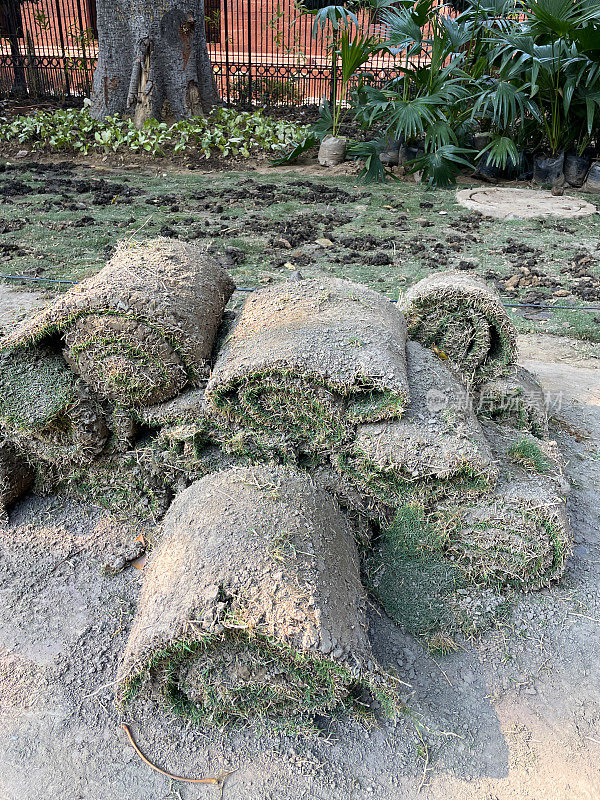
(513, 715)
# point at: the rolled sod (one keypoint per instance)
(465, 320)
(47, 409)
(517, 399)
(252, 604)
(311, 359)
(437, 448)
(142, 328)
(520, 536)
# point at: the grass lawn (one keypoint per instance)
(61, 221)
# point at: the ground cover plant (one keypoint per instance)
(226, 131)
(62, 220)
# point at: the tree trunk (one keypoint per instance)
(152, 61)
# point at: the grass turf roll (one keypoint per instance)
(437, 448)
(517, 399)
(519, 535)
(46, 409)
(465, 319)
(310, 359)
(143, 327)
(252, 604)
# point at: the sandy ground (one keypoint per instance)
(514, 715)
(17, 302)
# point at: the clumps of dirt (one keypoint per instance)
(584, 283)
(252, 604)
(468, 223)
(251, 192)
(10, 226)
(10, 189)
(10, 250)
(299, 229)
(366, 243)
(62, 181)
(529, 275)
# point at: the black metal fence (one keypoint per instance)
(263, 51)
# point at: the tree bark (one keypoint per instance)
(153, 61)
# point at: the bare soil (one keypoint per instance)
(511, 715)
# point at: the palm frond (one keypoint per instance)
(373, 170)
(441, 166)
(500, 152)
(307, 143)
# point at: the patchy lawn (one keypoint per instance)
(61, 220)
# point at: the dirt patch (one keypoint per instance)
(509, 203)
(17, 303)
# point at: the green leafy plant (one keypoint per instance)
(227, 131)
(553, 53)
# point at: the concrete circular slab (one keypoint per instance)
(511, 203)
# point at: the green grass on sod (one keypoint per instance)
(63, 224)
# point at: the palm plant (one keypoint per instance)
(527, 72)
(544, 57)
(425, 106)
(349, 49)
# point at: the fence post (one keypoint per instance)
(249, 8)
(59, 23)
(226, 32)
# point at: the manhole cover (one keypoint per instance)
(511, 203)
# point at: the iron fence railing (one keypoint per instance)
(263, 51)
